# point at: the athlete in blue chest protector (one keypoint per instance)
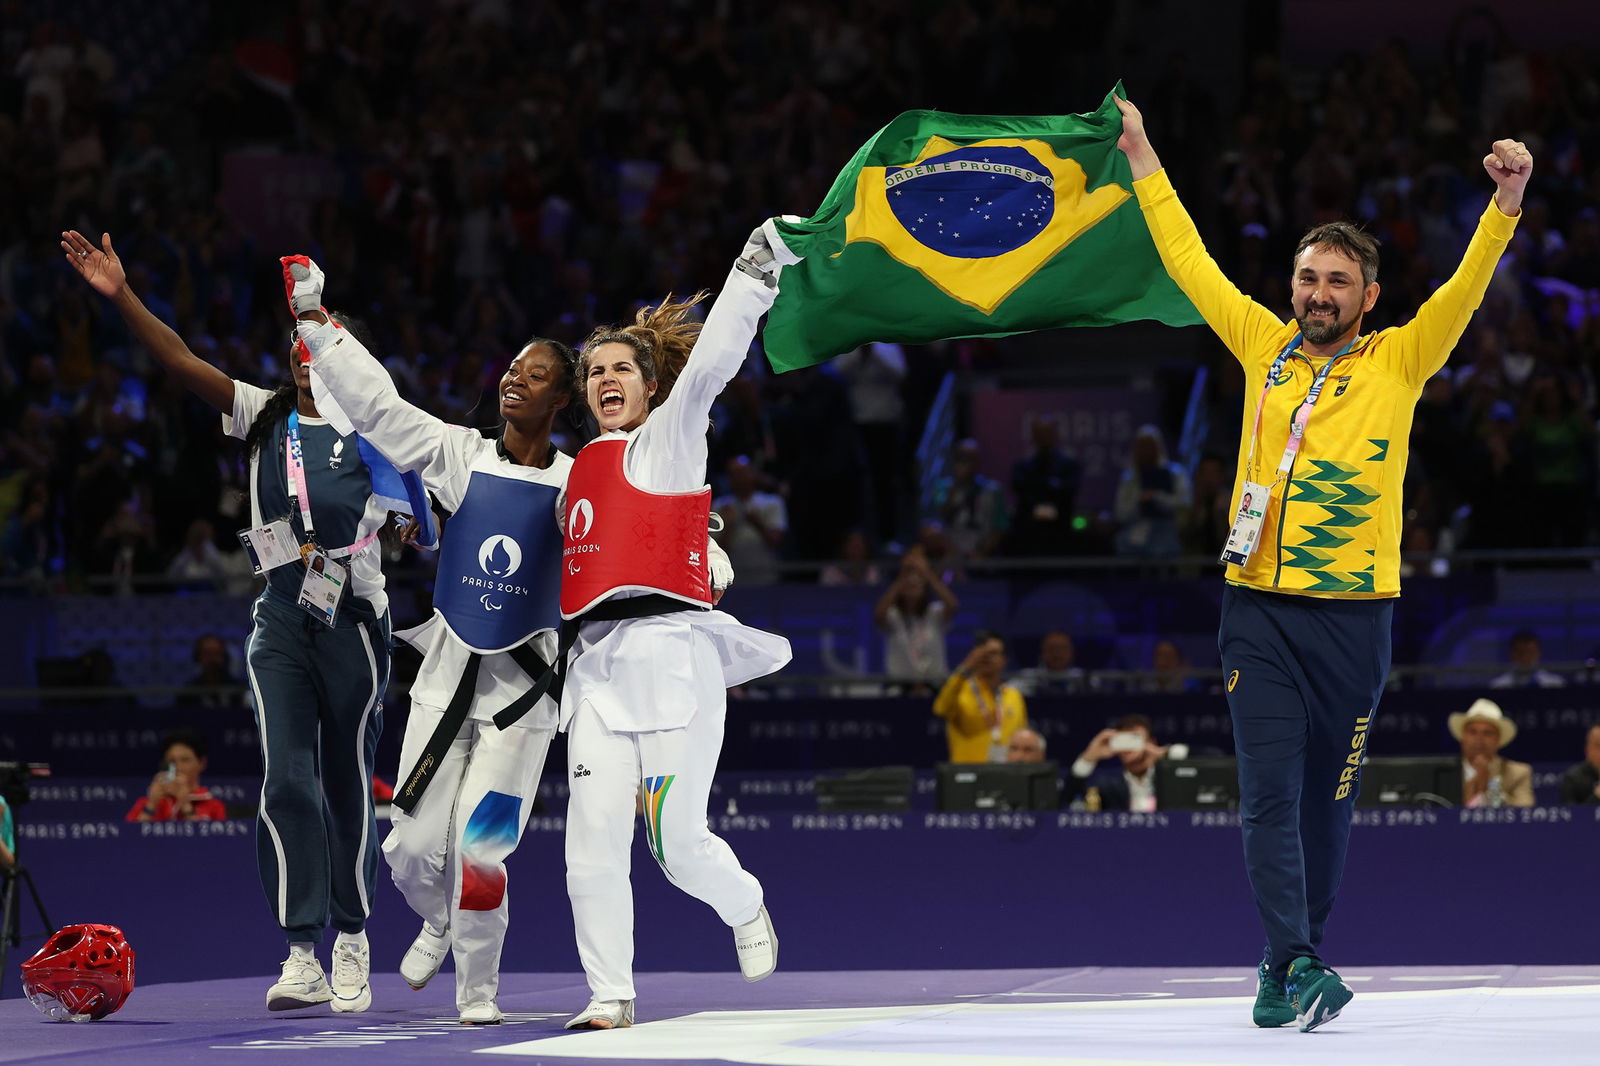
(465, 788)
(318, 652)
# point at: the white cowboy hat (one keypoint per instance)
(1488, 711)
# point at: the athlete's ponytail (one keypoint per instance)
(661, 338)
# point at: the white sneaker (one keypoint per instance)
(757, 946)
(604, 1014)
(482, 1014)
(302, 984)
(424, 957)
(352, 963)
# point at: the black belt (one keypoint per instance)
(615, 610)
(455, 713)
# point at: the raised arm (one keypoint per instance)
(342, 368)
(1244, 326)
(965, 719)
(101, 268)
(940, 590)
(1427, 340)
(677, 429)
(880, 613)
(679, 424)
(1134, 142)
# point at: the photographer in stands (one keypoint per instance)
(176, 794)
(981, 712)
(1131, 786)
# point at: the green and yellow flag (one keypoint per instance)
(972, 226)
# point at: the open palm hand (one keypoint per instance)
(100, 267)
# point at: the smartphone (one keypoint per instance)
(1127, 741)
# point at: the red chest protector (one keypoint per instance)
(621, 537)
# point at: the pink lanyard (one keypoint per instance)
(1302, 417)
(991, 710)
(295, 470)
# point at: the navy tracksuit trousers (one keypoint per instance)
(319, 708)
(1303, 676)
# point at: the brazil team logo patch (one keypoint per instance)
(654, 793)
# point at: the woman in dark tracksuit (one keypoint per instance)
(318, 686)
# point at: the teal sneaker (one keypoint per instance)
(1316, 993)
(1272, 1010)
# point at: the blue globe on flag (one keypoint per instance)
(973, 203)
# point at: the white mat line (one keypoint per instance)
(1205, 980)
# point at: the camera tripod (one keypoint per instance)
(15, 881)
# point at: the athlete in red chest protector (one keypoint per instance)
(620, 537)
(645, 689)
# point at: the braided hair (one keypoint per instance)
(277, 408)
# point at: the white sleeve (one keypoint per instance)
(669, 451)
(248, 400)
(407, 436)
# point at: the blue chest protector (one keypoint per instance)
(499, 578)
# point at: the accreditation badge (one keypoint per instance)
(323, 586)
(1246, 531)
(270, 546)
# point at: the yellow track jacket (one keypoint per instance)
(1334, 528)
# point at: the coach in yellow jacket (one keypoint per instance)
(1314, 556)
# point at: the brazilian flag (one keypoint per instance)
(972, 226)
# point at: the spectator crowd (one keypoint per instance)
(472, 173)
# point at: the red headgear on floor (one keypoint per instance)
(83, 973)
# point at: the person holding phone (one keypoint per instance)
(175, 793)
(1131, 786)
(981, 712)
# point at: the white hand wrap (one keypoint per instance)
(305, 285)
(721, 567)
